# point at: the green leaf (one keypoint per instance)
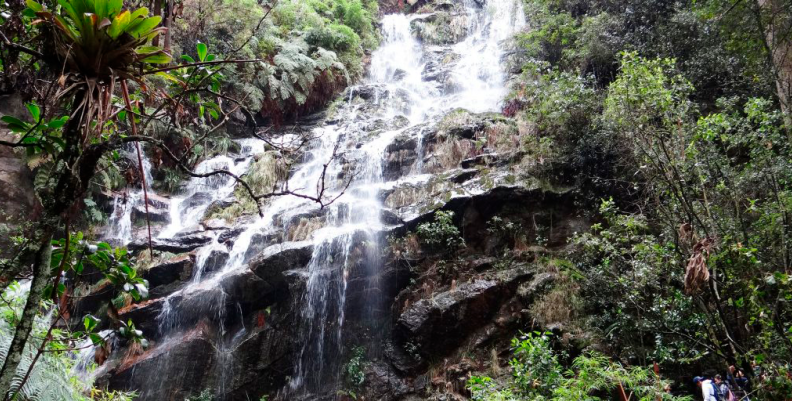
(100, 9)
(157, 59)
(47, 291)
(202, 50)
(12, 120)
(148, 49)
(90, 322)
(119, 24)
(142, 290)
(140, 12)
(187, 58)
(34, 6)
(144, 27)
(57, 123)
(114, 6)
(96, 339)
(169, 77)
(34, 110)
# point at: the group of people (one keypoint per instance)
(714, 388)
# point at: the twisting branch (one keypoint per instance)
(258, 26)
(19, 47)
(256, 197)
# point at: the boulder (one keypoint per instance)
(486, 159)
(216, 225)
(179, 367)
(277, 259)
(146, 314)
(382, 383)
(155, 215)
(180, 244)
(172, 271)
(436, 326)
(259, 242)
(215, 261)
(440, 28)
(400, 156)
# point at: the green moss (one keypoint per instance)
(264, 174)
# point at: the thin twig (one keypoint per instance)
(125, 92)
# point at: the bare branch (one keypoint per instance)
(19, 47)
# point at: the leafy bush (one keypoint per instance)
(538, 375)
(553, 35)
(441, 235)
(354, 372)
(335, 37)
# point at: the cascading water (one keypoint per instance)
(344, 163)
(120, 221)
(396, 71)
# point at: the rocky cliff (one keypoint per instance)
(420, 273)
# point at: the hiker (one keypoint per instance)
(738, 383)
(722, 390)
(708, 389)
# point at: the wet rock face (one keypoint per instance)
(410, 317)
(167, 277)
(277, 259)
(400, 157)
(182, 244)
(215, 261)
(442, 27)
(436, 326)
(175, 370)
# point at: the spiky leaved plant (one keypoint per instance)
(99, 42)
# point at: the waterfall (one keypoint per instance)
(120, 224)
(396, 68)
(346, 160)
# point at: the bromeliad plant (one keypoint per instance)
(98, 42)
(100, 39)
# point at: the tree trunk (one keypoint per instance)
(157, 9)
(168, 24)
(774, 21)
(41, 276)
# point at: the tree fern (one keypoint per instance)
(294, 71)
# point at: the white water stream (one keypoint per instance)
(352, 222)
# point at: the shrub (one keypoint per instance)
(537, 374)
(441, 235)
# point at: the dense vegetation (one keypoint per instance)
(671, 116)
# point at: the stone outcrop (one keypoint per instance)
(425, 320)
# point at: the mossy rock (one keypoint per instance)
(441, 28)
